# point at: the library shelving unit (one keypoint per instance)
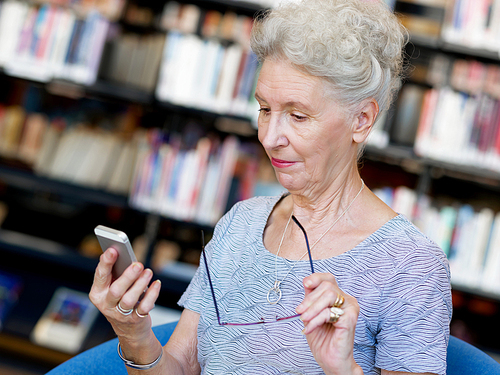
(47, 222)
(441, 146)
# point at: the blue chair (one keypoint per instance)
(463, 358)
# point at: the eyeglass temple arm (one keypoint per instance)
(307, 241)
(208, 274)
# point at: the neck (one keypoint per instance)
(319, 209)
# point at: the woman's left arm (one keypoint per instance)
(331, 343)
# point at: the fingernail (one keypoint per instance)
(303, 331)
(157, 284)
(308, 284)
(136, 267)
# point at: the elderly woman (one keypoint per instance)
(371, 291)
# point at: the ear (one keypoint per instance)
(364, 120)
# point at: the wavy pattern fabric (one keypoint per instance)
(400, 278)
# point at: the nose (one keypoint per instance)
(272, 131)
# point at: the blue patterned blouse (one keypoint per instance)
(399, 277)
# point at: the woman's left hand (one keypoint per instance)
(330, 343)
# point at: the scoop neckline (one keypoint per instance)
(270, 208)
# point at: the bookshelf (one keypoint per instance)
(441, 151)
(120, 106)
(48, 218)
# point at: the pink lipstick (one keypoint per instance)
(281, 163)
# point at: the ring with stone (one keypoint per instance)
(335, 314)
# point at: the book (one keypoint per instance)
(49, 146)
(11, 131)
(10, 290)
(408, 114)
(66, 321)
(12, 16)
(32, 137)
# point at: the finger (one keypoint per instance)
(313, 281)
(318, 300)
(314, 287)
(120, 286)
(148, 302)
(318, 320)
(103, 275)
(132, 295)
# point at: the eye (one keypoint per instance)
(264, 110)
(299, 117)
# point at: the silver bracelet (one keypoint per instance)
(135, 365)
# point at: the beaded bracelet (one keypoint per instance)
(135, 365)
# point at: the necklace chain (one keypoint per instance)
(276, 287)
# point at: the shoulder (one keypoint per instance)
(246, 214)
(407, 248)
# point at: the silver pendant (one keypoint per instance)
(274, 294)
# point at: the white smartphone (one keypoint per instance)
(119, 241)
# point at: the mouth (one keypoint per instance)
(278, 163)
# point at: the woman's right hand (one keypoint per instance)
(106, 294)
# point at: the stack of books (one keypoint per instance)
(47, 42)
(185, 183)
(207, 62)
(459, 122)
(473, 23)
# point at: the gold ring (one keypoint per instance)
(335, 314)
(339, 301)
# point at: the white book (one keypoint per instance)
(493, 39)
(99, 156)
(79, 151)
(464, 243)
(166, 76)
(187, 180)
(62, 39)
(209, 74)
(187, 65)
(48, 149)
(136, 188)
(63, 153)
(478, 250)
(404, 201)
(490, 279)
(121, 176)
(228, 78)
(12, 19)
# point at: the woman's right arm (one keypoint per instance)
(137, 340)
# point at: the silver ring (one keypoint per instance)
(122, 311)
(335, 314)
(140, 315)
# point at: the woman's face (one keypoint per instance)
(307, 135)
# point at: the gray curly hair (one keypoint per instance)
(354, 45)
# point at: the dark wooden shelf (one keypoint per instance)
(28, 180)
(22, 347)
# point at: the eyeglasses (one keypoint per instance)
(263, 321)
